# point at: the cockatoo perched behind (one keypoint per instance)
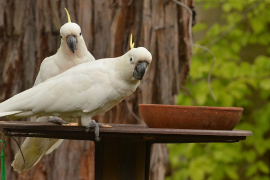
(72, 52)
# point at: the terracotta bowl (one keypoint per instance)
(190, 117)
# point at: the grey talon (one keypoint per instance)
(94, 125)
(97, 132)
(56, 120)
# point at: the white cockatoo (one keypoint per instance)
(72, 52)
(83, 91)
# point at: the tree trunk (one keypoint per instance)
(29, 32)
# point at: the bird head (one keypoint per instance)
(71, 34)
(135, 62)
(138, 59)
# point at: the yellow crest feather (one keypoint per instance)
(69, 20)
(131, 43)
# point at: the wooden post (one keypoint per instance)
(120, 158)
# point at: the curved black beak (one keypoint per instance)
(139, 70)
(72, 43)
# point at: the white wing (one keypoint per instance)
(48, 69)
(82, 88)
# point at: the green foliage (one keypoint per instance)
(241, 78)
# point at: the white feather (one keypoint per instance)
(9, 113)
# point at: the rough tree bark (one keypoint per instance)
(29, 32)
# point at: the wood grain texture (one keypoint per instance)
(29, 32)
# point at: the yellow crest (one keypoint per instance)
(69, 20)
(131, 43)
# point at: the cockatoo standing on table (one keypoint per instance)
(83, 91)
(72, 52)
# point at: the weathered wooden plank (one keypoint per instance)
(120, 129)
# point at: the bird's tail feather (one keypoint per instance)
(33, 150)
(54, 146)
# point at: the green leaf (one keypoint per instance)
(195, 172)
(262, 166)
(257, 26)
(251, 170)
(265, 84)
(231, 172)
(227, 7)
(250, 156)
(199, 27)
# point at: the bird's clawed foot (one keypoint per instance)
(56, 120)
(95, 125)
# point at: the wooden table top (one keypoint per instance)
(155, 135)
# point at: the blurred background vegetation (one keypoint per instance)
(237, 32)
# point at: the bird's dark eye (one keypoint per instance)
(131, 59)
(80, 33)
(61, 37)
